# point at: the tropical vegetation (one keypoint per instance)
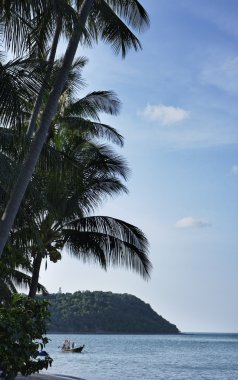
(27, 30)
(104, 312)
(22, 336)
(68, 190)
(54, 171)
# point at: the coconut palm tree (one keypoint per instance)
(135, 16)
(61, 217)
(100, 239)
(65, 221)
(15, 272)
(74, 123)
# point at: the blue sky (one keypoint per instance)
(179, 119)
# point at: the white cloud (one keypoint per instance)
(165, 114)
(235, 169)
(189, 222)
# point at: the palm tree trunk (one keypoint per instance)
(35, 113)
(35, 275)
(36, 146)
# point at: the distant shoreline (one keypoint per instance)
(111, 333)
(48, 376)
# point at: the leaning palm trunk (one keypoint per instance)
(35, 113)
(32, 157)
(35, 275)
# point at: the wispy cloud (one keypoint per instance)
(223, 75)
(190, 222)
(222, 17)
(166, 115)
(234, 169)
(197, 134)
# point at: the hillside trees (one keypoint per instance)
(105, 312)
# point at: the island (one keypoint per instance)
(104, 313)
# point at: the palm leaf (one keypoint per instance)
(112, 29)
(132, 12)
(20, 81)
(17, 17)
(108, 241)
(93, 103)
(90, 129)
(74, 82)
(23, 280)
(105, 160)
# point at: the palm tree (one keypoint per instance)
(64, 221)
(100, 239)
(60, 218)
(15, 272)
(133, 14)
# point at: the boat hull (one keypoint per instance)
(76, 349)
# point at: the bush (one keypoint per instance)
(22, 336)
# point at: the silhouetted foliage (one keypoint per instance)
(22, 336)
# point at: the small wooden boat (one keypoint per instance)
(75, 349)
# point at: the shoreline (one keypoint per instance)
(48, 376)
(107, 333)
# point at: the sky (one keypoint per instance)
(179, 120)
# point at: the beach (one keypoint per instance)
(41, 376)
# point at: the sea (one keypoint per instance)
(187, 356)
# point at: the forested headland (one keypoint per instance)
(104, 312)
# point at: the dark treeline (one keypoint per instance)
(104, 312)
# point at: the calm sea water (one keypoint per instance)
(148, 357)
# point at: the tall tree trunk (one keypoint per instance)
(35, 275)
(36, 146)
(50, 64)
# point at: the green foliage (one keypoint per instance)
(15, 272)
(105, 312)
(22, 334)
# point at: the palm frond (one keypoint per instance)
(17, 17)
(20, 81)
(23, 280)
(74, 82)
(40, 33)
(112, 29)
(90, 129)
(44, 25)
(105, 160)
(95, 102)
(108, 241)
(132, 12)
